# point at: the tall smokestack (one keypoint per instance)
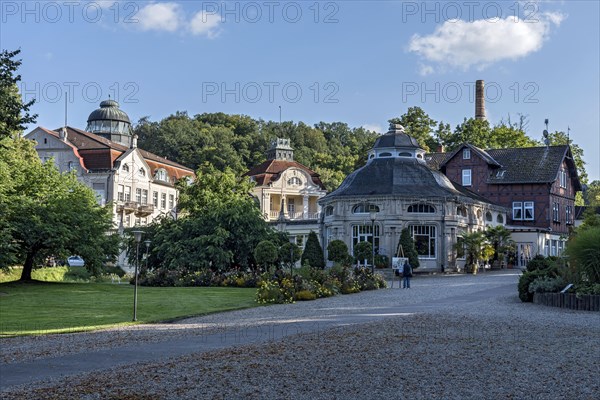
(479, 100)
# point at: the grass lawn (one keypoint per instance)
(53, 307)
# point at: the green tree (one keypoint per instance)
(14, 114)
(500, 239)
(337, 251)
(474, 131)
(409, 249)
(583, 250)
(363, 251)
(592, 194)
(265, 254)
(504, 135)
(419, 125)
(46, 213)
(290, 253)
(313, 252)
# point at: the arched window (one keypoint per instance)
(125, 167)
(328, 211)
(500, 219)
(462, 211)
(421, 208)
(371, 156)
(479, 214)
(419, 156)
(488, 216)
(142, 172)
(386, 154)
(364, 208)
(405, 155)
(294, 181)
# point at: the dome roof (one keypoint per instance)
(109, 111)
(396, 176)
(396, 137)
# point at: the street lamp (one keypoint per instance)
(138, 238)
(373, 216)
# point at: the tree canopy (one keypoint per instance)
(14, 114)
(46, 213)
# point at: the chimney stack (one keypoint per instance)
(63, 134)
(134, 140)
(479, 100)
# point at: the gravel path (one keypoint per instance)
(494, 348)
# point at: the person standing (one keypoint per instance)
(406, 274)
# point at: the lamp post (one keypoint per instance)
(138, 238)
(292, 260)
(147, 243)
(373, 216)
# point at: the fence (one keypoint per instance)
(586, 302)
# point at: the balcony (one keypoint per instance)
(292, 216)
(144, 210)
(127, 207)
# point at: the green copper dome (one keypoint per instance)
(110, 122)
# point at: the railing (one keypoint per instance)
(294, 216)
(144, 210)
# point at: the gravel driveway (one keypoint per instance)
(445, 340)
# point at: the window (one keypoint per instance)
(364, 233)
(517, 210)
(421, 208)
(171, 201)
(404, 154)
(127, 193)
(479, 214)
(500, 174)
(554, 248)
(488, 216)
(328, 211)
(163, 200)
(569, 215)
(161, 175)
(460, 247)
(295, 181)
(563, 178)
(120, 193)
(386, 154)
(500, 219)
(291, 206)
(155, 199)
(138, 195)
(528, 210)
(461, 211)
(425, 240)
(466, 154)
(100, 194)
(144, 196)
(547, 248)
(466, 177)
(555, 212)
(364, 208)
(125, 168)
(71, 166)
(142, 172)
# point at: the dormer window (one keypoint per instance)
(405, 154)
(364, 208)
(161, 175)
(466, 154)
(386, 154)
(500, 174)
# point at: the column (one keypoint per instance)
(305, 207)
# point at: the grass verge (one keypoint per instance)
(50, 307)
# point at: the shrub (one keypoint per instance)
(584, 251)
(304, 295)
(313, 253)
(269, 292)
(584, 289)
(381, 261)
(337, 251)
(540, 262)
(409, 248)
(546, 284)
(524, 281)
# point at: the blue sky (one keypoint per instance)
(353, 61)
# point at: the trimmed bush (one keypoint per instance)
(524, 281)
(546, 284)
(313, 253)
(304, 295)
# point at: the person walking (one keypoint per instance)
(406, 274)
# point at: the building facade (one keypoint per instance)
(138, 185)
(396, 189)
(537, 184)
(288, 192)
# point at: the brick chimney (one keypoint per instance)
(479, 100)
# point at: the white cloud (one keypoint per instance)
(160, 17)
(373, 127)
(480, 43)
(425, 70)
(205, 24)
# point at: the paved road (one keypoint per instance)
(252, 332)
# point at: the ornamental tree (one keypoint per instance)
(313, 252)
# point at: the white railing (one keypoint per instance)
(298, 215)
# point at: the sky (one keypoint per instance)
(359, 62)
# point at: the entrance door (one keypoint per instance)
(524, 254)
